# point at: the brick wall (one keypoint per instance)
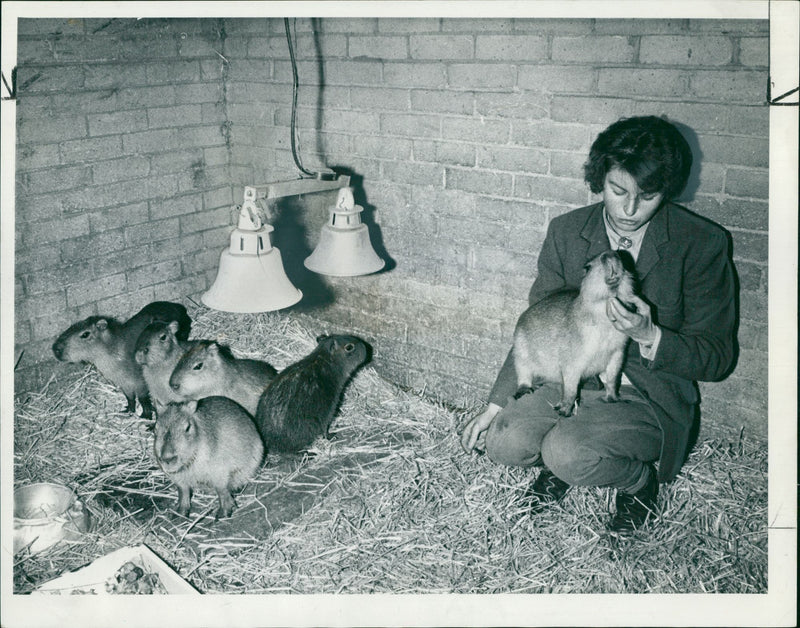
(464, 138)
(123, 192)
(468, 136)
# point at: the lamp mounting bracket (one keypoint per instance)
(295, 187)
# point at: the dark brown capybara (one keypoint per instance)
(301, 401)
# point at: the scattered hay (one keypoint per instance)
(392, 504)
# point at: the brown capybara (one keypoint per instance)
(209, 369)
(567, 336)
(158, 351)
(110, 346)
(212, 442)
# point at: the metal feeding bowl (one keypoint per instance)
(44, 514)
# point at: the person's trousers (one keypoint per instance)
(601, 444)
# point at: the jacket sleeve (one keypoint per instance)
(550, 275)
(702, 347)
(549, 278)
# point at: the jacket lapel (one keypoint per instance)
(594, 233)
(656, 236)
(596, 239)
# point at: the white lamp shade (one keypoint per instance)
(344, 248)
(251, 283)
(251, 277)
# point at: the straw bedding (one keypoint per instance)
(391, 504)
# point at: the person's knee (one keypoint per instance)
(498, 443)
(506, 446)
(566, 453)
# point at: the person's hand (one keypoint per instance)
(476, 426)
(636, 325)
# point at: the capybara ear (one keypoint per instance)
(101, 324)
(191, 406)
(321, 338)
(213, 348)
(174, 326)
(140, 356)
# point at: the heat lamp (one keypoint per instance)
(344, 248)
(251, 277)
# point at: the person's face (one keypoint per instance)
(628, 208)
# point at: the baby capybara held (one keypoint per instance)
(158, 351)
(212, 442)
(111, 345)
(209, 369)
(567, 336)
(302, 400)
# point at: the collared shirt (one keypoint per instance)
(632, 242)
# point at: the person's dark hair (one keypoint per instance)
(649, 148)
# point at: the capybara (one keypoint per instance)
(212, 442)
(301, 401)
(111, 346)
(567, 336)
(158, 351)
(209, 369)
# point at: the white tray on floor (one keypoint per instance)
(91, 580)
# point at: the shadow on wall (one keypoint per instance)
(291, 238)
(315, 29)
(368, 218)
(687, 196)
(692, 185)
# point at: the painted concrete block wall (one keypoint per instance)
(467, 136)
(122, 188)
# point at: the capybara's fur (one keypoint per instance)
(567, 336)
(209, 369)
(212, 442)
(301, 401)
(158, 351)
(110, 346)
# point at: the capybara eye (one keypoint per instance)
(198, 366)
(349, 347)
(163, 337)
(86, 334)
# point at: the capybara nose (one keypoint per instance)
(58, 349)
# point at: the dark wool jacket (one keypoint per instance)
(685, 273)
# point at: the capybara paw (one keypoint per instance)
(223, 513)
(610, 398)
(563, 409)
(183, 509)
(522, 390)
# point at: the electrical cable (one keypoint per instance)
(294, 102)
